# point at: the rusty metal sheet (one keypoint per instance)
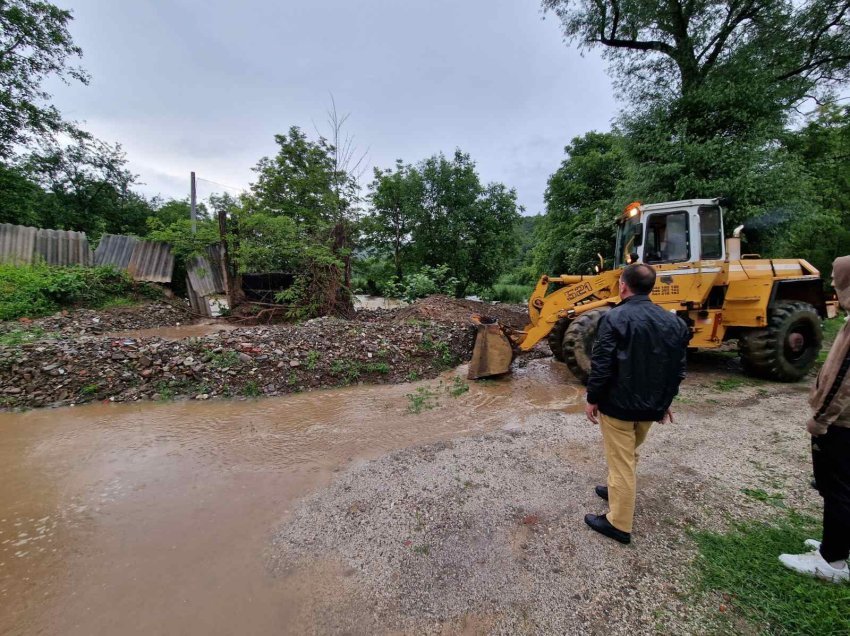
(152, 262)
(115, 250)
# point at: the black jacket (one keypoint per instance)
(638, 360)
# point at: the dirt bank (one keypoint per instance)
(485, 534)
(81, 356)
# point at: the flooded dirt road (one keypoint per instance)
(153, 518)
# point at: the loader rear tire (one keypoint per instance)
(788, 347)
(578, 342)
(556, 338)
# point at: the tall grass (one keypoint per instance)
(508, 293)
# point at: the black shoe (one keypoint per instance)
(601, 524)
(602, 491)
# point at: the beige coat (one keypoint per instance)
(830, 396)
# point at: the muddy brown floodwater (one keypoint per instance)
(178, 332)
(153, 518)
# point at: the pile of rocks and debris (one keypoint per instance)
(72, 357)
(92, 322)
(448, 309)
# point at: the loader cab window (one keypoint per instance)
(667, 239)
(711, 233)
(627, 242)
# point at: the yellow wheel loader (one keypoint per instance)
(772, 307)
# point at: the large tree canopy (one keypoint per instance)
(438, 213)
(35, 44)
(671, 47)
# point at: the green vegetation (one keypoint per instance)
(312, 359)
(223, 359)
(351, 370)
(743, 564)
(39, 290)
(437, 214)
(251, 389)
(423, 399)
(458, 387)
(440, 347)
(730, 384)
(23, 335)
(776, 499)
(831, 328)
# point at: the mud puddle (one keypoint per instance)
(154, 518)
(178, 332)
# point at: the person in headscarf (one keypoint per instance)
(829, 427)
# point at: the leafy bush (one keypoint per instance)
(427, 281)
(39, 290)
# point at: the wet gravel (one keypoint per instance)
(488, 531)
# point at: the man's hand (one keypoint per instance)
(667, 417)
(813, 427)
(592, 412)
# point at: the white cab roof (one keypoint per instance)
(687, 203)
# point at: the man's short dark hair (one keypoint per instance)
(639, 278)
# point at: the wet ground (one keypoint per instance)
(155, 518)
(197, 329)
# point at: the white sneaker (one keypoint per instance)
(814, 544)
(813, 564)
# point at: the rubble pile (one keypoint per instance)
(83, 322)
(458, 310)
(252, 361)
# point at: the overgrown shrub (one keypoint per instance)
(427, 281)
(39, 290)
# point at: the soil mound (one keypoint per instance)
(456, 310)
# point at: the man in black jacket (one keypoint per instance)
(637, 364)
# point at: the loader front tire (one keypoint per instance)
(578, 342)
(788, 347)
(556, 338)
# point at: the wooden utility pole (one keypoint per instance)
(194, 212)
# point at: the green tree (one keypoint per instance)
(22, 201)
(396, 196)
(710, 88)
(87, 183)
(581, 203)
(35, 45)
(671, 48)
(462, 224)
(303, 183)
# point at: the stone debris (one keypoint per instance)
(74, 362)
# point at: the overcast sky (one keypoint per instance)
(189, 85)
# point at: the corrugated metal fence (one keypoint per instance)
(23, 245)
(145, 260)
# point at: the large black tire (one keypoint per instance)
(556, 338)
(578, 342)
(788, 347)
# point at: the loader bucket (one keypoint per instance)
(493, 351)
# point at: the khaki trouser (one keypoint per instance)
(621, 440)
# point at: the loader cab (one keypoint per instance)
(675, 232)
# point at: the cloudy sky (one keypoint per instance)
(189, 85)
